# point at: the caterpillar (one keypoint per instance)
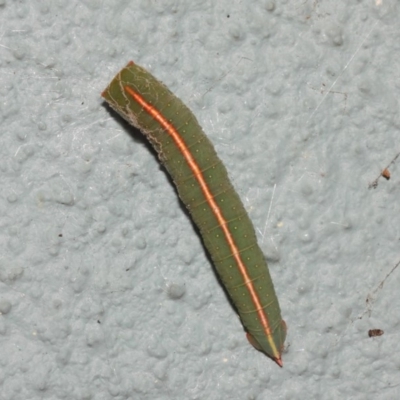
(204, 187)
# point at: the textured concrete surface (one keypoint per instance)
(105, 289)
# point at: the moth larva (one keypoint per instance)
(205, 189)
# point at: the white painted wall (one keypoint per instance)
(105, 289)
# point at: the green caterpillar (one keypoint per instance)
(205, 189)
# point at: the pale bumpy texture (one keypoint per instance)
(105, 290)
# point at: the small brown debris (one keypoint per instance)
(386, 173)
(375, 332)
